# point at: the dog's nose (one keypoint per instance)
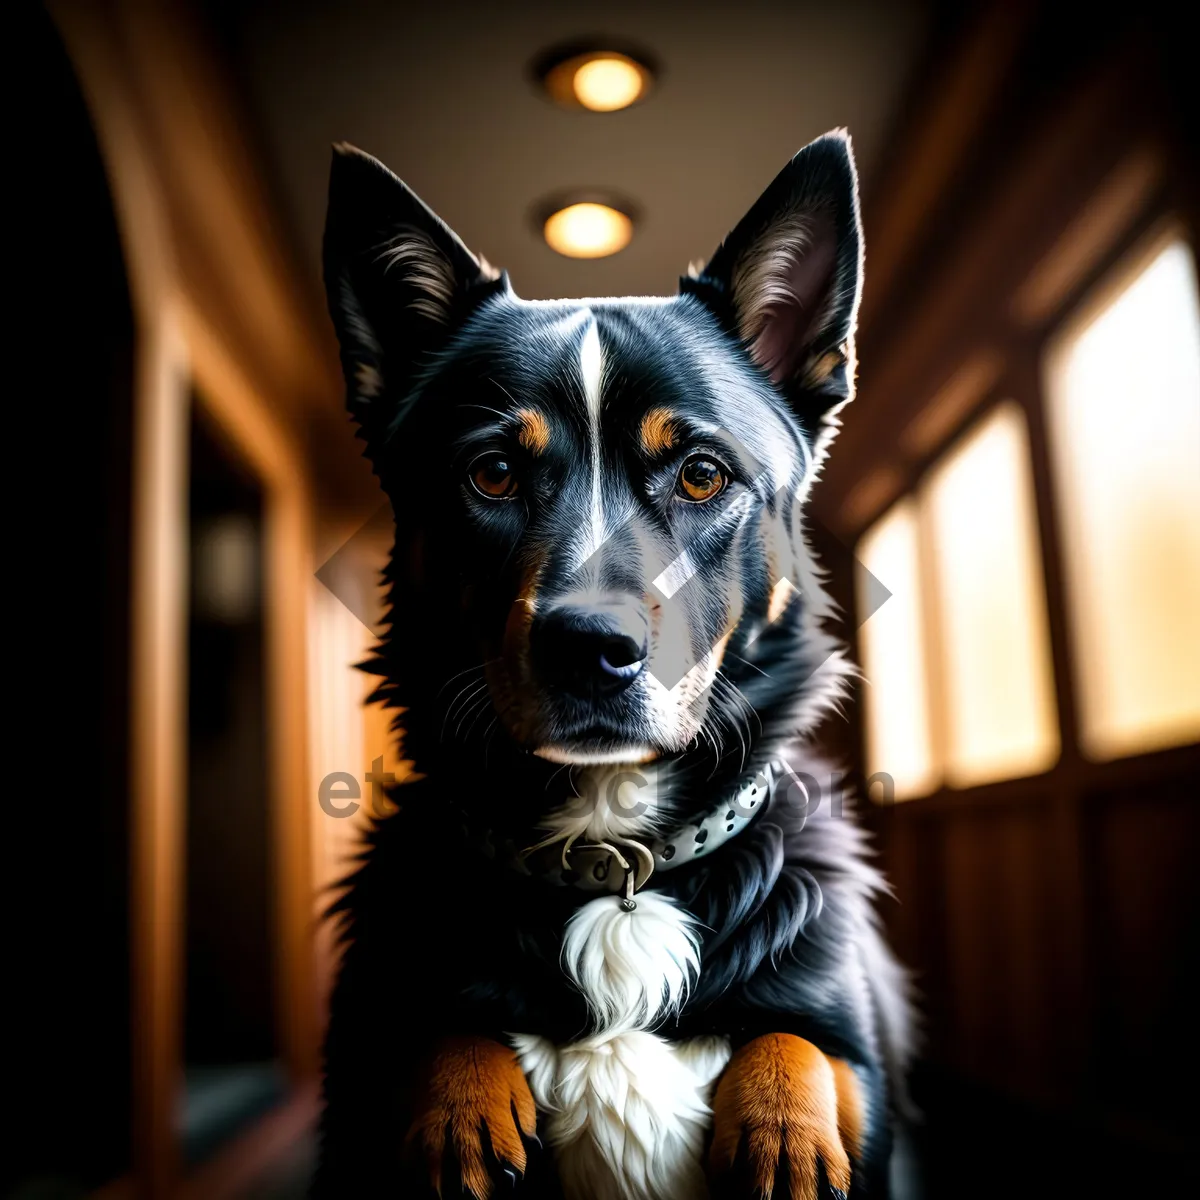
(589, 650)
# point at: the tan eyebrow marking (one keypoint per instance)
(658, 430)
(534, 432)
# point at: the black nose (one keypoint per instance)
(589, 651)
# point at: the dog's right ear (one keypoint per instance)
(398, 282)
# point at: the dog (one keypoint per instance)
(611, 945)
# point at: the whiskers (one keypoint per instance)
(468, 704)
(732, 717)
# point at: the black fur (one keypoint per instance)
(439, 356)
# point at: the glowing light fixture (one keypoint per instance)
(587, 229)
(608, 84)
(598, 78)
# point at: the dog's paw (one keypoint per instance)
(473, 1108)
(777, 1128)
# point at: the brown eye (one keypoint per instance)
(701, 479)
(493, 477)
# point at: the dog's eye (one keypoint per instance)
(701, 479)
(492, 476)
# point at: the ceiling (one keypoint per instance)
(442, 93)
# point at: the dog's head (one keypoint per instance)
(597, 502)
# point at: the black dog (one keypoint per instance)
(607, 948)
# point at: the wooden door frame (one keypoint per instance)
(186, 346)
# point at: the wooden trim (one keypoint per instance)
(1113, 208)
(926, 341)
(181, 331)
(929, 597)
(870, 497)
(943, 129)
(157, 646)
(1064, 803)
(159, 706)
(158, 699)
(983, 374)
(952, 404)
(1086, 780)
(258, 438)
(1025, 386)
(231, 258)
(1118, 261)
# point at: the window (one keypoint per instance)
(1123, 399)
(899, 739)
(988, 598)
(960, 685)
(957, 661)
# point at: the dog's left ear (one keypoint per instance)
(787, 280)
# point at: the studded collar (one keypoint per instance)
(626, 865)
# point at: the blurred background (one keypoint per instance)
(1020, 471)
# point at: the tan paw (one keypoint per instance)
(777, 1104)
(473, 1100)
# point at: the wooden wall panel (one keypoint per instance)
(1051, 923)
(1143, 896)
(994, 906)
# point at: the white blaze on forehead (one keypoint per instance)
(591, 371)
(591, 367)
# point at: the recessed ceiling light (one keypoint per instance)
(608, 82)
(586, 229)
(598, 78)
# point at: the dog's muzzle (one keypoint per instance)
(589, 651)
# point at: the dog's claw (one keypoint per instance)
(776, 1102)
(474, 1099)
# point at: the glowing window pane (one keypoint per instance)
(998, 710)
(1124, 416)
(893, 656)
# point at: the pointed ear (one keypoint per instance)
(787, 280)
(398, 281)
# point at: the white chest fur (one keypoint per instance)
(627, 1110)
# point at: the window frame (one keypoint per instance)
(1014, 349)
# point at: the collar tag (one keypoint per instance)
(627, 866)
